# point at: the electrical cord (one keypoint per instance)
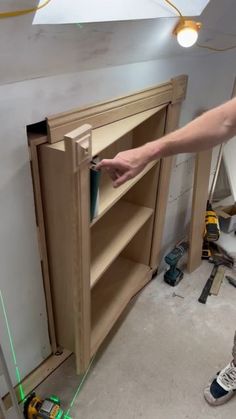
(5, 15)
(216, 49)
(200, 45)
(176, 8)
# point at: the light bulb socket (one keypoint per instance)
(190, 24)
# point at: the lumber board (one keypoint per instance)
(199, 201)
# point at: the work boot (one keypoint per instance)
(222, 387)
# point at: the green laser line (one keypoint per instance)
(8, 328)
(18, 377)
(22, 394)
(66, 416)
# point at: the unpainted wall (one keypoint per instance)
(29, 101)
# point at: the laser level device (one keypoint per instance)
(174, 275)
(49, 408)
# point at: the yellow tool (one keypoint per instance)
(212, 230)
(49, 408)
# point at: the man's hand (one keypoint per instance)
(125, 165)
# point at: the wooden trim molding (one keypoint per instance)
(116, 109)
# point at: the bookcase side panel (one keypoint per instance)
(55, 196)
(172, 121)
(78, 149)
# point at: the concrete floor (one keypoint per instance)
(160, 356)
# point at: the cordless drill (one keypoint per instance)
(174, 275)
(212, 230)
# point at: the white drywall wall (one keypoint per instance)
(28, 51)
(29, 101)
(43, 50)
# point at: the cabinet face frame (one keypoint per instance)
(78, 152)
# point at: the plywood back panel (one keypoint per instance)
(144, 194)
(150, 130)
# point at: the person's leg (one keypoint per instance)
(223, 386)
(234, 350)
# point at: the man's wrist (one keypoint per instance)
(153, 150)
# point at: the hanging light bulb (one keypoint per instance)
(187, 32)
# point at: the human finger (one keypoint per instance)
(122, 179)
(111, 173)
(105, 163)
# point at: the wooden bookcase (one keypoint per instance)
(96, 267)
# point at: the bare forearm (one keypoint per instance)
(210, 129)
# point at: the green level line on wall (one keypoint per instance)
(17, 371)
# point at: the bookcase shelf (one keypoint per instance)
(97, 266)
(108, 238)
(108, 195)
(112, 293)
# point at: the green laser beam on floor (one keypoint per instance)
(17, 371)
(67, 416)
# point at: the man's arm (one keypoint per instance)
(208, 130)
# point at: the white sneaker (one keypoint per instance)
(222, 387)
(227, 377)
